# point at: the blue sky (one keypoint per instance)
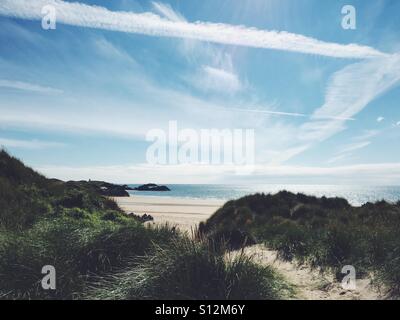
(76, 102)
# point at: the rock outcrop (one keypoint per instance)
(152, 187)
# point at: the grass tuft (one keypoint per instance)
(191, 270)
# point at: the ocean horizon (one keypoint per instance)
(355, 194)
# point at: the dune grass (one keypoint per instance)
(190, 269)
(79, 249)
(324, 233)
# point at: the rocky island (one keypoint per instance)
(102, 188)
(151, 187)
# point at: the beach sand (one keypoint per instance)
(184, 213)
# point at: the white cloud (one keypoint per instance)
(190, 48)
(348, 150)
(353, 87)
(167, 11)
(125, 118)
(367, 134)
(355, 146)
(83, 15)
(359, 142)
(219, 75)
(215, 79)
(349, 91)
(25, 86)
(109, 50)
(380, 173)
(28, 144)
(337, 158)
(380, 119)
(261, 110)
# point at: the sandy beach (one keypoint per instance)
(185, 213)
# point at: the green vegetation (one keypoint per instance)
(101, 253)
(190, 269)
(26, 196)
(80, 250)
(323, 232)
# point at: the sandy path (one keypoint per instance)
(310, 284)
(187, 213)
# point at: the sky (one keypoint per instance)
(77, 101)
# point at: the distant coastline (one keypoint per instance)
(356, 195)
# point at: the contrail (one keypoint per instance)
(83, 15)
(290, 114)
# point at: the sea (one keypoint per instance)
(356, 195)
